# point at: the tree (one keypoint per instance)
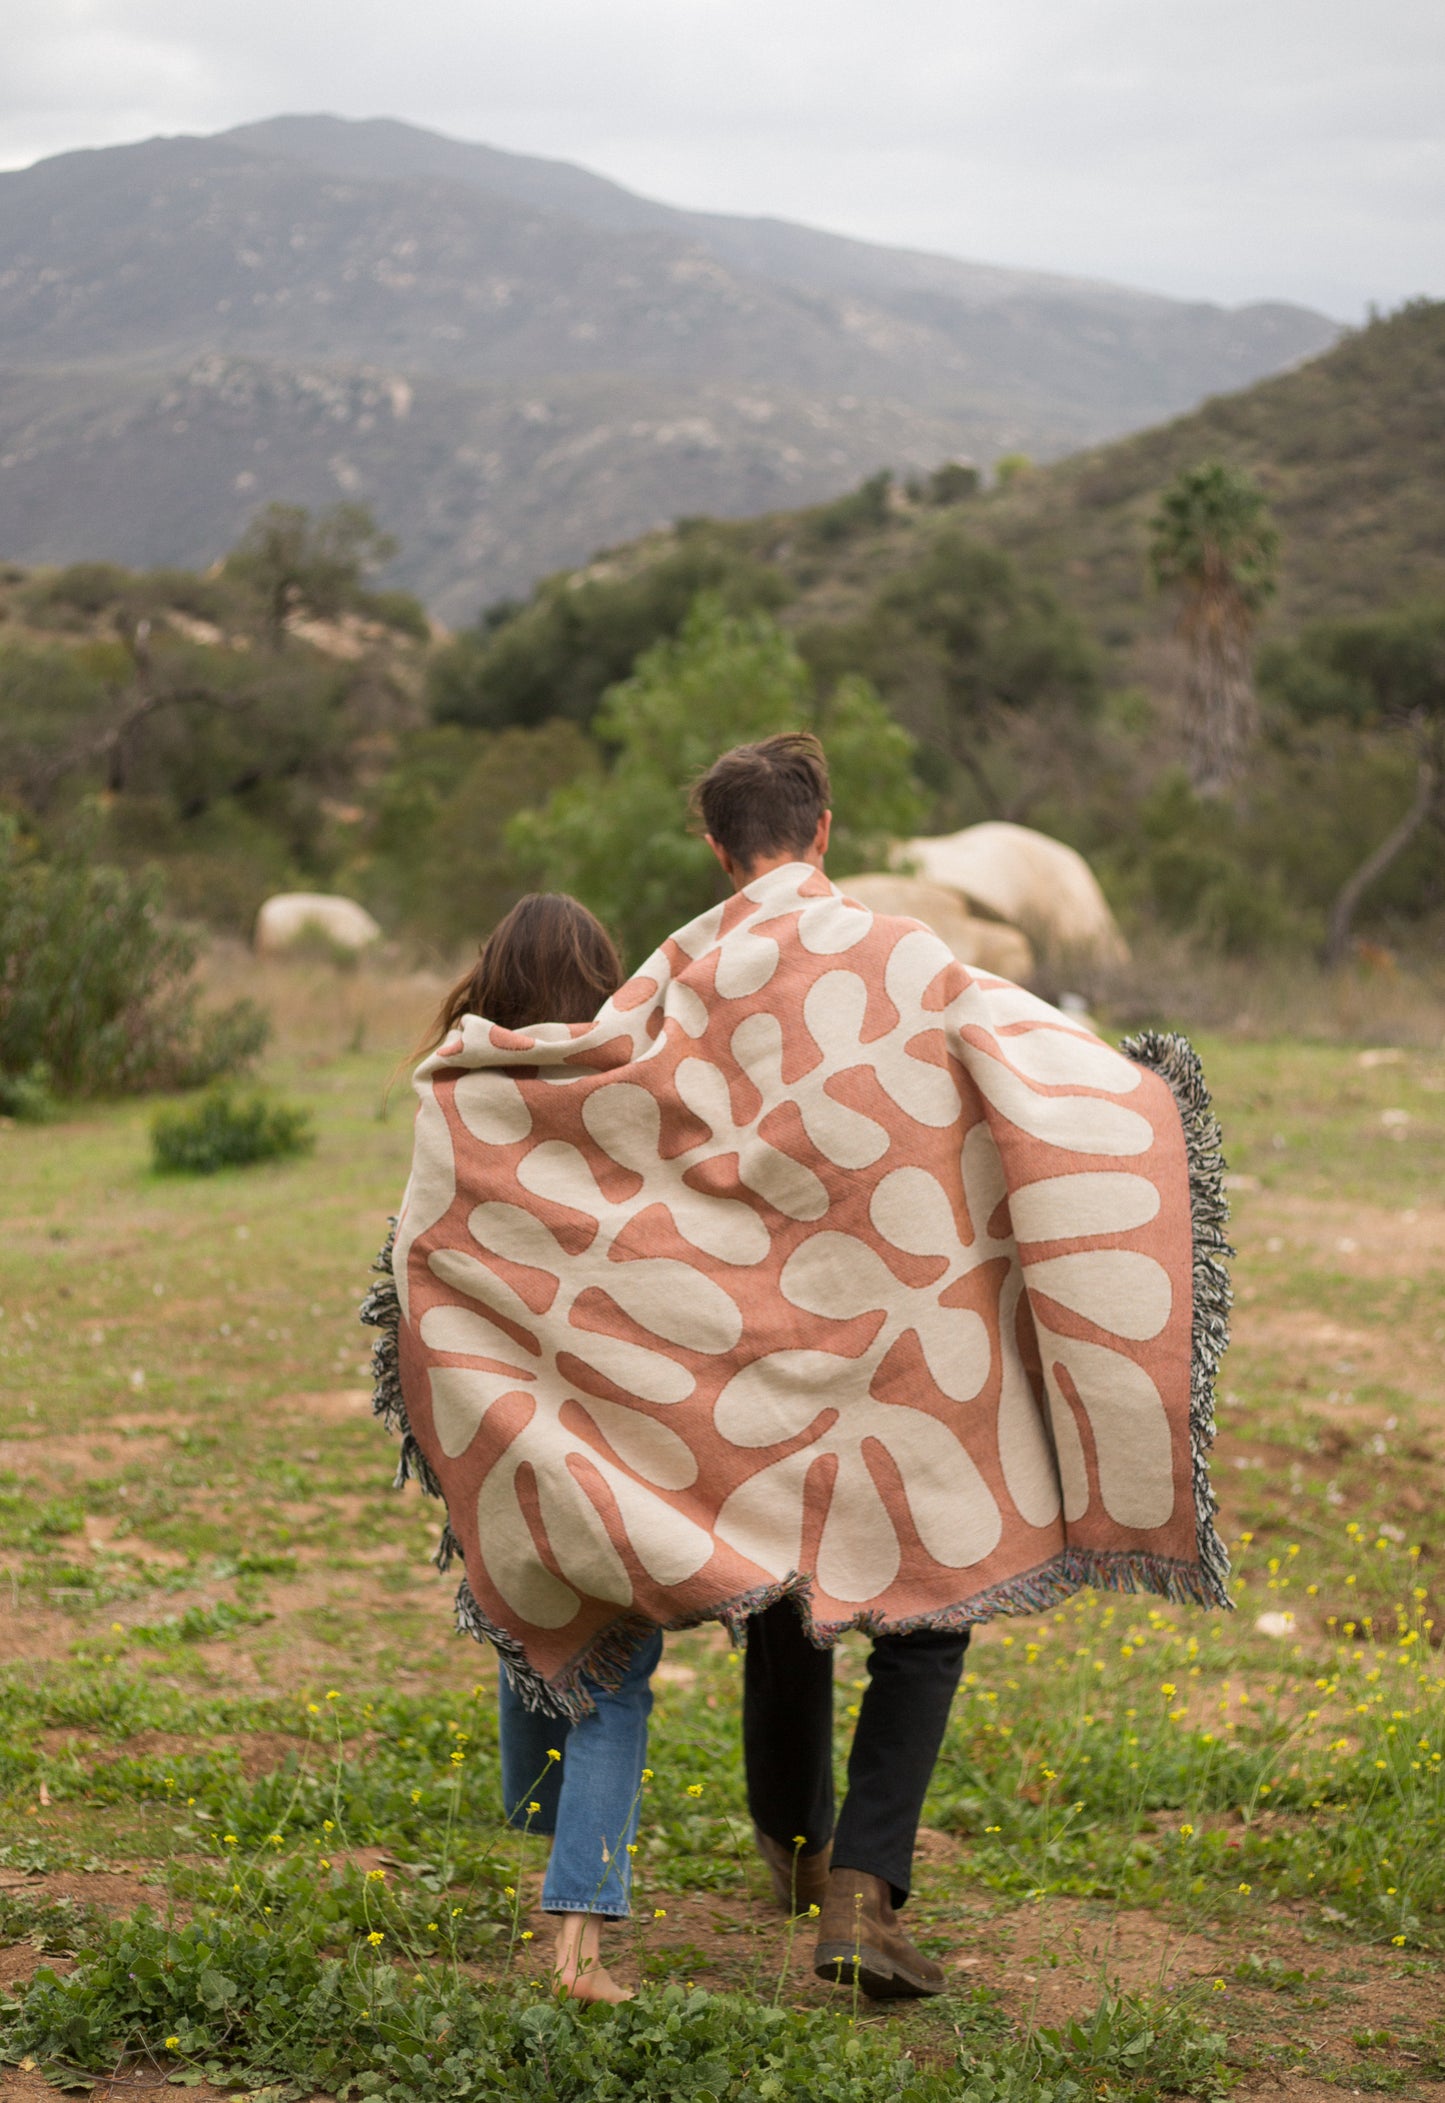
(952, 483)
(558, 654)
(438, 857)
(1213, 542)
(297, 564)
(993, 677)
(622, 845)
(1384, 675)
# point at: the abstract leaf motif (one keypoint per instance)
(662, 1295)
(952, 1507)
(838, 1277)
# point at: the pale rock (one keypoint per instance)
(1028, 880)
(286, 918)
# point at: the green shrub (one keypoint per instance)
(580, 634)
(203, 598)
(26, 1096)
(400, 611)
(95, 991)
(862, 510)
(222, 1131)
(84, 588)
(950, 484)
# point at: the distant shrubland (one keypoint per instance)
(968, 653)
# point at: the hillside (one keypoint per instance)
(512, 361)
(485, 488)
(1349, 447)
(1013, 633)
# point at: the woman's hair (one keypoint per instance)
(548, 961)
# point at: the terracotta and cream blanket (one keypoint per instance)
(817, 1263)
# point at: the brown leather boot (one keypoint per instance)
(859, 1935)
(798, 1880)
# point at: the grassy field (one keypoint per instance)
(248, 1828)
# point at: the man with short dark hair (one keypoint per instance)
(766, 804)
(761, 807)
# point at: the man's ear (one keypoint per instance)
(820, 837)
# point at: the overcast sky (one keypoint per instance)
(1235, 150)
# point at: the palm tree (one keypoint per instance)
(1214, 543)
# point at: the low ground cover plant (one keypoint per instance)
(224, 1130)
(234, 2002)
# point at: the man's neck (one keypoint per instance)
(742, 877)
(812, 854)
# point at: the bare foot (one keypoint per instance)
(577, 1969)
(591, 1983)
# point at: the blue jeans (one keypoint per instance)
(589, 1798)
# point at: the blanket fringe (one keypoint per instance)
(1175, 1060)
(568, 1695)
(381, 1309)
(602, 1665)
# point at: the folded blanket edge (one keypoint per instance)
(1177, 1064)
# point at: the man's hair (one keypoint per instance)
(765, 798)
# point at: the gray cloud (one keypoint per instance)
(1254, 148)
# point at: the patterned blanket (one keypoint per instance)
(818, 1263)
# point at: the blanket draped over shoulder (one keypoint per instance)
(819, 1264)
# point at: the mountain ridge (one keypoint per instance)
(324, 261)
(567, 186)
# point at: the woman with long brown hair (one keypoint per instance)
(549, 960)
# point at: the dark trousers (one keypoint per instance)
(788, 1742)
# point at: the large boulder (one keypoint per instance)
(290, 916)
(987, 945)
(1031, 882)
